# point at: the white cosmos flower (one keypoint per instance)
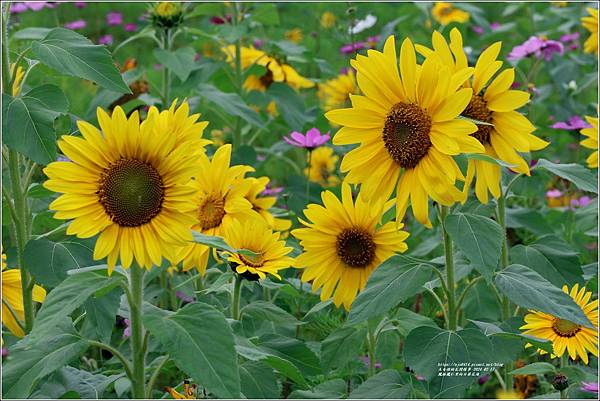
(363, 24)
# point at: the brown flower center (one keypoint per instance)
(355, 247)
(267, 79)
(477, 110)
(406, 134)
(565, 328)
(211, 211)
(253, 260)
(131, 192)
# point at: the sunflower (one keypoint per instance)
(262, 204)
(294, 35)
(166, 14)
(269, 251)
(408, 129)
(276, 71)
(335, 93)
(343, 244)
(322, 167)
(217, 203)
(591, 142)
(445, 13)
(496, 104)
(564, 334)
(178, 122)
(129, 184)
(591, 24)
(12, 296)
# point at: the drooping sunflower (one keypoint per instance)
(591, 142)
(343, 244)
(178, 122)
(322, 166)
(275, 70)
(218, 201)
(262, 204)
(590, 23)
(496, 104)
(407, 127)
(12, 296)
(270, 252)
(128, 183)
(445, 13)
(335, 93)
(564, 334)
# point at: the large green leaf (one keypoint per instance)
(266, 14)
(49, 261)
(583, 178)
(261, 313)
(180, 61)
(258, 381)
(341, 346)
(479, 238)
(531, 257)
(293, 350)
(201, 343)
(395, 280)
(100, 313)
(426, 347)
(331, 389)
(32, 359)
(536, 368)
(68, 296)
(408, 321)
(28, 122)
(68, 379)
(218, 243)
(73, 54)
(528, 289)
(232, 103)
(384, 385)
(290, 105)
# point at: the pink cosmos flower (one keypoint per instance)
(131, 27)
(554, 193)
(114, 18)
(105, 40)
(574, 123)
(367, 362)
(217, 20)
(590, 387)
(269, 190)
(494, 26)
(311, 140)
(127, 331)
(477, 29)
(80, 4)
(537, 46)
(78, 24)
(20, 7)
(350, 48)
(581, 202)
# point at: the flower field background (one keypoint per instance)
(312, 200)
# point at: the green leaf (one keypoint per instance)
(341, 346)
(331, 389)
(293, 350)
(33, 33)
(219, 243)
(499, 337)
(257, 313)
(408, 321)
(531, 257)
(536, 368)
(180, 61)
(395, 280)
(583, 178)
(266, 14)
(68, 296)
(28, 122)
(70, 53)
(290, 105)
(231, 103)
(84, 384)
(479, 238)
(528, 289)
(385, 384)
(201, 343)
(31, 360)
(100, 313)
(258, 381)
(49, 261)
(486, 158)
(444, 346)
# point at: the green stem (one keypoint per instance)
(136, 284)
(154, 376)
(371, 341)
(450, 284)
(308, 176)
(162, 300)
(235, 297)
(116, 353)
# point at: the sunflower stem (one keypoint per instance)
(371, 341)
(154, 376)
(450, 284)
(235, 297)
(136, 284)
(308, 176)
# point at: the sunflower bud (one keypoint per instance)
(167, 14)
(560, 382)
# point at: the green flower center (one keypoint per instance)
(131, 192)
(355, 247)
(406, 134)
(565, 328)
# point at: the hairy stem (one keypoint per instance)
(450, 284)
(136, 284)
(235, 297)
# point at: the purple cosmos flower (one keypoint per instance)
(367, 362)
(127, 331)
(258, 43)
(311, 140)
(540, 47)
(18, 8)
(4, 352)
(105, 40)
(581, 202)
(131, 27)
(483, 379)
(574, 123)
(184, 298)
(351, 48)
(114, 18)
(494, 26)
(217, 20)
(477, 29)
(590, 387)
(80, 4)
(554, 193)
(78, 24)
(37, 6)
(269, 190)
(569, 37)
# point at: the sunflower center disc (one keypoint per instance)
(131, 192)
(253, 260)
(406, 134)
(477, 110)
(267, 78)
(565, 328)
(211, 211)
(355, 247)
